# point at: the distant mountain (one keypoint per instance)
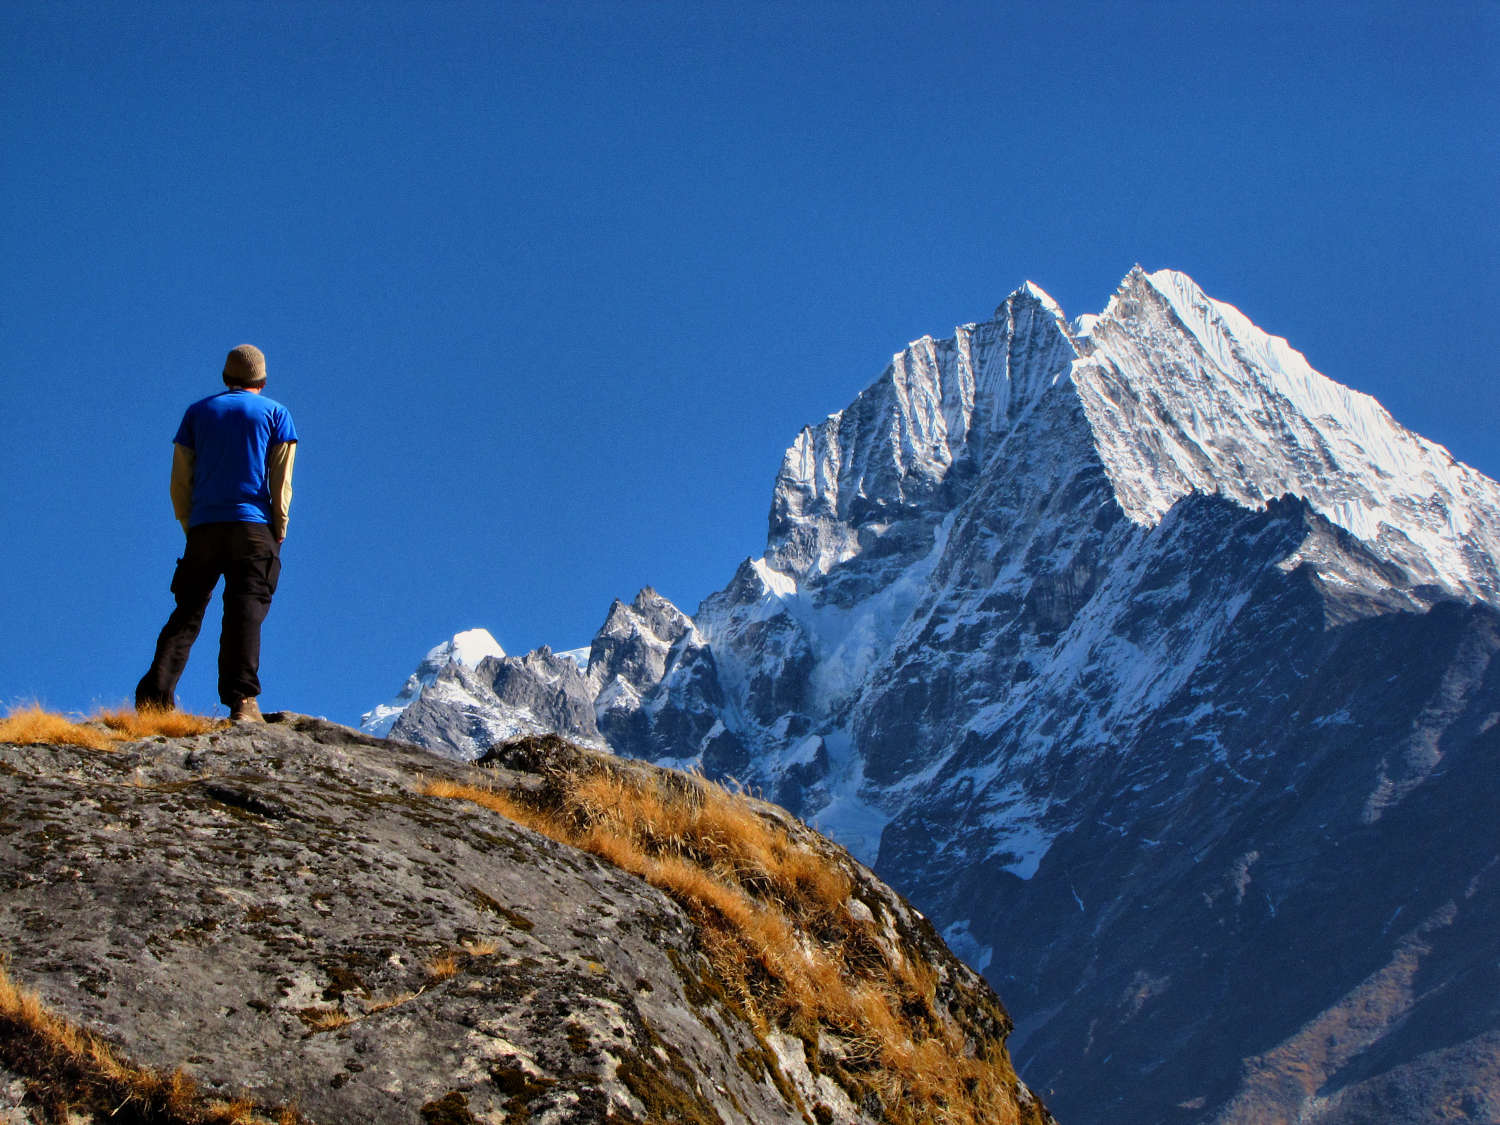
(466, 649)
(1156, 667)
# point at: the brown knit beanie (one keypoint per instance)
(245, 367)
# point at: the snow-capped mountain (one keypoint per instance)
(465, 649)
(1154, 665)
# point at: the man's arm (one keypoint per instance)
(279, 470)
(182, 484)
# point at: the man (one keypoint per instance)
(231, 490)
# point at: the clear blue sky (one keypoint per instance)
(549, 287)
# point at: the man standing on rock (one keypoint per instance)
(231, 490)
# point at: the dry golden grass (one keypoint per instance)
(384, 1003)
(129, 723)
(328, 1018)
(776, 925)
(30, 724)
(442, 967)
(73, 1068)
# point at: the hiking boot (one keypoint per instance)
(246, 710)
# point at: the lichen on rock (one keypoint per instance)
(283, 916)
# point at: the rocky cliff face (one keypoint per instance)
(1137, 628)
(287, 915)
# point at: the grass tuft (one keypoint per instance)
(442, 967)
(31, 725)
(776, 922)
(325, 1018)
(129, 723)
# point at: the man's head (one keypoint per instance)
(245, 368)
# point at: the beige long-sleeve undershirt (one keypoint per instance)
(279, 461)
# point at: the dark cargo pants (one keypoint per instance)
(247, 557)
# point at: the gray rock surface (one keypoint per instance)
(270, 908)
(13, 1107)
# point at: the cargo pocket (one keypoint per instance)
(191, 584)
(254, 578)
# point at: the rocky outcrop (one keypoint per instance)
(283, 913)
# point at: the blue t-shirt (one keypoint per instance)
(230, 435)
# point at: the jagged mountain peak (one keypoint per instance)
(650, 621)
(1032, 292)
(1165, 393)
(939, 407)
(1239, 348)
(1181, 393)
(1185, 394)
